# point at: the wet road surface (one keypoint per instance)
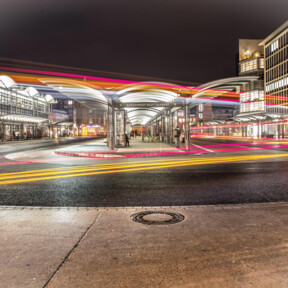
(232, 182)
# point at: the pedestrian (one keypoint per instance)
(127, 140)
(183, 139)
(17, 135)
(177, 135)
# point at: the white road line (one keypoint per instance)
(208, 150)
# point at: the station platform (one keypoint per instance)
(137, 148)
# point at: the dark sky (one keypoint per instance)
(190, 40)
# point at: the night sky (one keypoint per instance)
(189, 40)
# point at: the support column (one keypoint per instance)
(110, 127)
(119, 127)
(187, 127)
(163, 126)
(278, 131)
(169, 127)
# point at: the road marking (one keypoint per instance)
(48, 174)
(209, 150)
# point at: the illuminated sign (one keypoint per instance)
(149, 104)
(93, 126)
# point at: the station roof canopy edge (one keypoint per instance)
(90, 97)
(23, 118)
(228, 84)
(164, 95)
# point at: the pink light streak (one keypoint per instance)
(180, 152)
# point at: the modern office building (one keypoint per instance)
(251, 63)
(276, 70)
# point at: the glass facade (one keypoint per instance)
(22, 111)
(252, 64)
(252, 101)
(13, 102)
(276, 73)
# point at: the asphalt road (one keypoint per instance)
(232, 182)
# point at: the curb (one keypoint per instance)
(145, 208)
(88, 155)
(115, 156)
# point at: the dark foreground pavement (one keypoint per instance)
(215, 246)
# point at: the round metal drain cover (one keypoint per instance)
(157, 217)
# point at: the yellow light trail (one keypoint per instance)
(81, 169)
(48, 174)
(83, 166)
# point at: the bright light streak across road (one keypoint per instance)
(174, 153)
(89, 170)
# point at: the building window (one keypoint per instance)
(201, 107)
(274, 46)
(70, 102)
(249, 65)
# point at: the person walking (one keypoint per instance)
(17, 135)
(127, 140)
(178, 133)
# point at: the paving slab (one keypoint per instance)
(245, 246)
(35, 242)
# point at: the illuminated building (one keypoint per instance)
(251, 62)
(80, 119)
(66, 105)
(24, 113)
(276, 77)
(276, 69)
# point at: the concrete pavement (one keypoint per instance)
(215, 246)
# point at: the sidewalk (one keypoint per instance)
(215, 246)
(137, 148)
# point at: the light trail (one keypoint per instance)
(49, 174)
(83, 166)
(178, 152)
(32, 76)
(83, 169)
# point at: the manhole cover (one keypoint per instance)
(157, 217)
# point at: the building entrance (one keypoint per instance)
(158, 119)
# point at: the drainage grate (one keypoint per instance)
(157, 217)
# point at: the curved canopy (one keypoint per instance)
(83, 94)
(7, 82)
(145, 92)
(32, 92)
(225, 84)
(49, 98)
